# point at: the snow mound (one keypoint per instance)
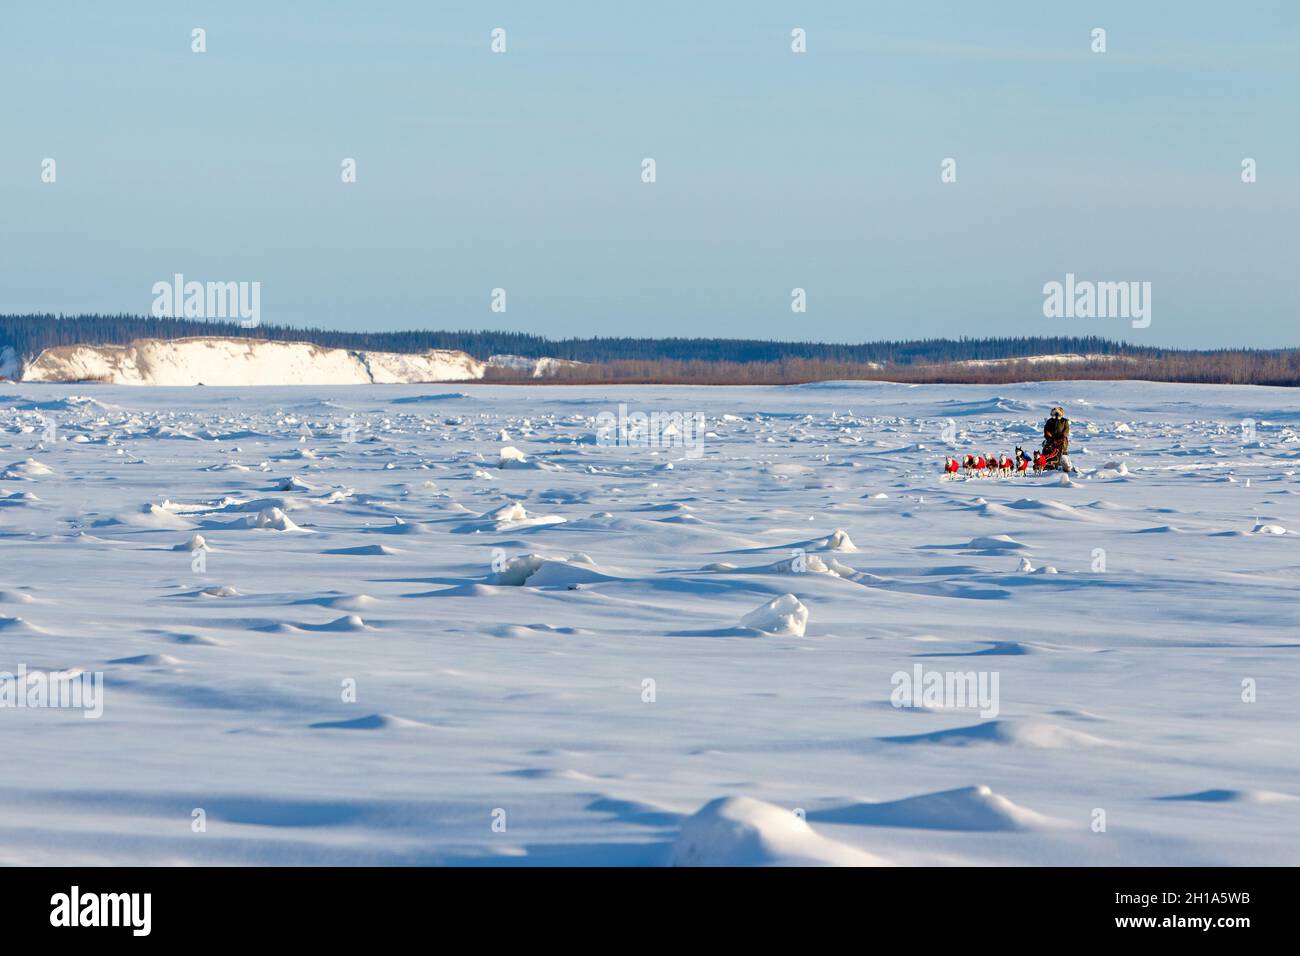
(272, 519)
(511, 516)
(975, 808)
(21, 625)
(782, 616)
(839, 540)
(802, 564)
(1051, 509)
(742, 831)
(149, 660)
(1033, 734)
(154, 516)
(1268, 529)
(368, 722)
(511, 457)
(364, 550)
(196, 543)
(995, 542)
(401, 526)
(538, 570)
(23, 470)
(1233, 796)
(348, 622)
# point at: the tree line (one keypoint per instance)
(710, 360)
(29, 334)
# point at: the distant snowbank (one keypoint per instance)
(1068, 358)
(535, 367)
(215, 360)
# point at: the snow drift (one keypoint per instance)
(742, 831)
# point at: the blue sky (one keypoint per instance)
(775, 170)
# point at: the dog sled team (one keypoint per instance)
(1051, 457)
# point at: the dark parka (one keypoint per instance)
(1056, 432)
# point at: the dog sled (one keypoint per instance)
(1050, 457)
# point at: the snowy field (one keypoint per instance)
(548, 659)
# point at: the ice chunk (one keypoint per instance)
(785, 615)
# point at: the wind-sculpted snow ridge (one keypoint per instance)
(975, 808)
(796, 644)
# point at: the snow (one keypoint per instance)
(24, 470)
(358, 644)
(537, 570)
(535, 367)
(1060, 358)
(214, 360)
(741, 831)
(966, 809)
(272, 519)
(783, 615)
(511, 457)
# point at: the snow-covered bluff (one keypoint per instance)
(216, 360)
